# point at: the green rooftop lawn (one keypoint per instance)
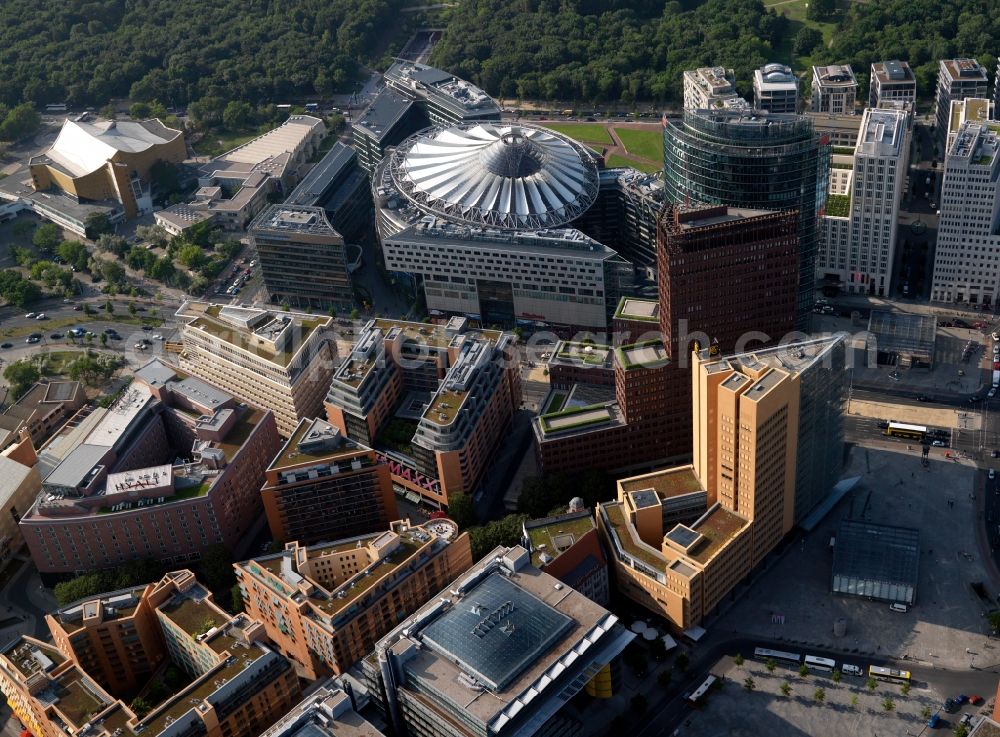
(646, 144)
(618, 162)
(585, 132)
(838, 205)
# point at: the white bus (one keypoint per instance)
(699, 693)
(763, 653)
(55, 107)
(823, 664)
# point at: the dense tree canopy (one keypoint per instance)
(624, 50)
(85, 52)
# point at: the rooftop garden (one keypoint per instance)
(196, 617)
(838, 205)
(575, 418)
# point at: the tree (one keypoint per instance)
(806, 40)
(854, 699)
(217, 567)
(872, 684)
(21, 122)
(73, 253)
(925, 713)
(738, 660)
(21, 376)
(154, 234)
(47, 237)
(639, 704)
(131, 308)
(657, 649)
(104, 340)
(237, 115)
(786, 688)
(836, 675)
(820, 694)
(888, 704)
(770, 665)
(140, 706)
(462, 511)
(191, 256)
(905, 689)
(804, 670)
(960, 730)
(236, 596)
(665, 678)
(682, 661)
(635, 658)
(820, 9)
(749, 683)
(96, 224)
(109, 307)
(994, 620)
(506, 532)
(355, 314)
(111, 271)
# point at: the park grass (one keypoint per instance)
(216, 143)
(584, 132)
(645, 144)
(56, 363)
(615, 161)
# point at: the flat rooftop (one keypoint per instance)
(503, 635)
(634, 308)
(651, 354)
(386, 109)
(578, 418)
(893, 72)
(667, 483)
(325, 713)
(192, 611)
(294, 453)
(553, 535)
(964, 70)
(290, 220)
(316, 184)
(624, 531)
(717, 527)
(588, 354)
(791, 357)
(835, 75)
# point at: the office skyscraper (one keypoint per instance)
(754, 160)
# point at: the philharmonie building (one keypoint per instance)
(513, 224)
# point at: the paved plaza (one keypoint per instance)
(948, 619)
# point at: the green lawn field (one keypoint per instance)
(646, 144)
(585, 132)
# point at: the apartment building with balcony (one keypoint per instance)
(958, 79)
(710, 88)
(834, 89)
(892, 81)
(435, 401)
(281, 361)
(326, 605)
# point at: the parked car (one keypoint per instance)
(934, 721)
(157, 337)
(30, 316)
(961, 699)
(109, 331)
(31, 339)
(77, 308)
(147, 341)
(41, 316)
(975, 700)
(56, 336)
(950, 706)
(939, 444)
(851, 670)
(7, 345)
(147, 327)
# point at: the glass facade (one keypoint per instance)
(820, 453)
(754, 160)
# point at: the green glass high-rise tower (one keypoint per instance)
(753, 159)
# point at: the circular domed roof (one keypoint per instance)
(489, 174)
